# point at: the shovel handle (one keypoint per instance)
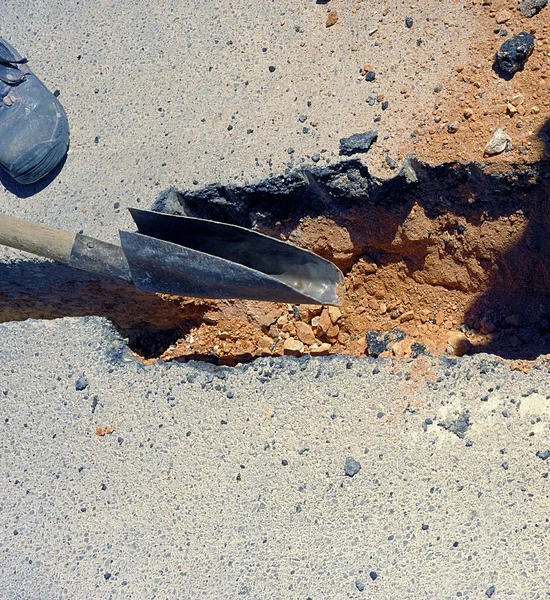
(36, 239)
(77, 251)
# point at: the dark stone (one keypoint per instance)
(271, 69)
(529, 8)
(457, 424)
(81, 383)
(284, 462)
(302, 118)
(378, 342)
(371, 100)
(107, 576)
(352, 466)
(373, 575)
(385, 105)
(425, 527)
(370, 76)
(409, 22)
(360, 586)
(490, 591)
(544, 454)
(359, 142)
(417, 349)
(514, 52)
(316, 158)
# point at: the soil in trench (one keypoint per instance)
(448, 268)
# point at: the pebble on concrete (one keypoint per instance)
(498, 142)
(514, 53)
(359, 142)
(352, 466)
(81, 383)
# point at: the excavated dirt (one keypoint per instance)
(457, 261)
(468, 108)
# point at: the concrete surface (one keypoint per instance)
(174, 503)
(158, 83)
(189, 496)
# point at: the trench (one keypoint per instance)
(431, 255)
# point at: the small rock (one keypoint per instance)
(320, 350)
(272, 69)
(335, 314)
(514, 53)
(458, 344)
(513, 320)
(305, 333)
(265, 342)
(511, 109)
(332, 18)
(529, 8)
(81, 383)
(370, 76)
(490, 591)
(392, 164)
(324, 321)
(293, 346)
(498, 142)
(359, 142)
(373, 575)
(502, 16)
(360, 586)
(409, 22)
(408, 171)
(352, 466)
(453, 127)
(332, 332)
(407, 316)
(517, 99)
(486, 326)
(316, 158)
(543, 454)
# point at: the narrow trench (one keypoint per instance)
(437, 254)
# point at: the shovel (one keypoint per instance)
(186, 256)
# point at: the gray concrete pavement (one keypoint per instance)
(221, 483)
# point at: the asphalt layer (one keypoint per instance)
(222, 483)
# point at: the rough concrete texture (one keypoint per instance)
(222, 483)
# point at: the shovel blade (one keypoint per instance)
(193, 257)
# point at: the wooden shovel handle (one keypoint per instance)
(36, 239)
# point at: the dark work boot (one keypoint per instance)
(34, 132)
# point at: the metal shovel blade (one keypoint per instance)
(186, 256)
